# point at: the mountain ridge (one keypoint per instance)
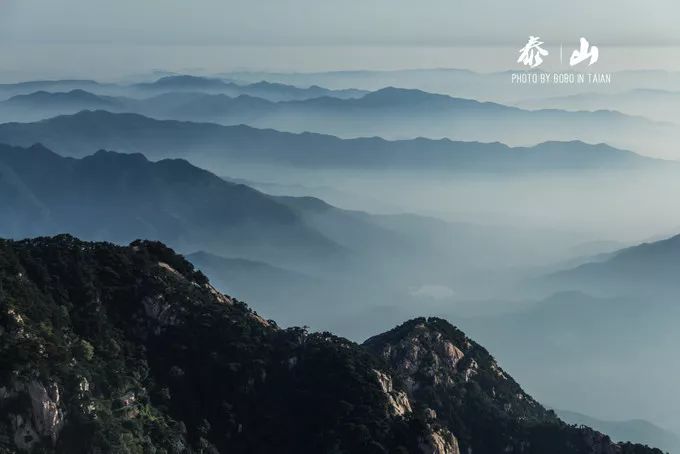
(130, 348)
(86, 131)
(642, 268)
(131, 196)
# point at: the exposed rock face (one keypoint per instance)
(426, 355)
(37, 423)
(47, 416)
(440, 441)
(435, 440)
(399, 404)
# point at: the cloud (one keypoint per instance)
(348, 22)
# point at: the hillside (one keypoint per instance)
(648, 268)
(119, 197)
(128, 349)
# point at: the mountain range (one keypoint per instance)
(390, 113)
(180, 83)
(24, 88)
(655, 104)
(312, 255)
(121, 197)
(488, 86)
(124, 349)
(217, 147)
(261, 89)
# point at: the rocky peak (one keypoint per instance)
(469, 402)
(421, 354)
(430, 353)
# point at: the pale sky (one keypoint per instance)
(87, 36)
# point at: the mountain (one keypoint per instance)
(71, 99)
(645, 269)
(42, 104)
(185, 82)
(391, 113)
(180, 83)
(269, 287)
(124, 349)
(200, 107)
(282, 253)
(638, 430)
(173, 105)
(656, 104)
(279, 252)
(492, 86)
(283, 92)
(24, 88)
(396, 113)
(235, 270)
(261, 89)
(218, 147)
(121, 197)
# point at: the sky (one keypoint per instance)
(99, 36)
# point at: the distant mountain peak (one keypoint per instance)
(392, 95)
(189, 81)
(43, 97)
(403, 93)
(114, 155)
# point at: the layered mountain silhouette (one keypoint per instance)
(119, 197)
(312, 256)
(390, 113)
(493, 86)
(80, 134)
(118, 349)
(648, 268)
(78, 98)
(25, 88)
(262, 89)
(42, 104)
(656, 104)
(180, 83)
(402, 113)
(271, 288)
(173, 105)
